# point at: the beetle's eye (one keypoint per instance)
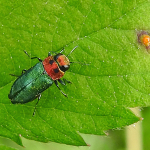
(64, 68)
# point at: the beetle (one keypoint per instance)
(38, 78)
(144, 39)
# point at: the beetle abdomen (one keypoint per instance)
(29, 85)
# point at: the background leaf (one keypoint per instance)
(115, 78)
(6, 148)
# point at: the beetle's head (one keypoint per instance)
(62, 61)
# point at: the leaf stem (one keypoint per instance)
(134, 133)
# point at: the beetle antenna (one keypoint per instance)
(72, 50)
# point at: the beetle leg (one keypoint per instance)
(23, 71)
(56, 83)
(49, 53)
(32, 57)
(37, 58)
(61, 81)
(65, 80)
(39, 96)
(14, 75)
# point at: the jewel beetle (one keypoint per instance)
(38, 78)
(144, 39)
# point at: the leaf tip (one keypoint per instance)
(141, 119)
(88, 145)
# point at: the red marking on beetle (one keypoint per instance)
(63, 60)
(51, 66)
(144, 39)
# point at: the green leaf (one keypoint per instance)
(112, 77)
(6, 148)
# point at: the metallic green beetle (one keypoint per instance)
(34, 81)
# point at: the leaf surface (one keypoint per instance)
(112, 76)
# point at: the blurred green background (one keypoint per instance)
(116, 139)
